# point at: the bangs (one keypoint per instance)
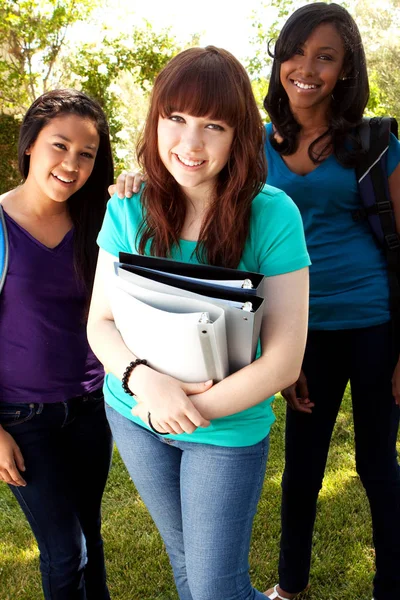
(294, 36)
(203, 90)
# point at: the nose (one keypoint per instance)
(71, 163)
(192, 138)
(307, 66)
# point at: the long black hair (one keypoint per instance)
(86, 206)
(349, 97)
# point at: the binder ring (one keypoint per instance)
(152, 428)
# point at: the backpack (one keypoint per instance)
(3, 249)
(377, 206)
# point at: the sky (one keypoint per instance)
(224, 23)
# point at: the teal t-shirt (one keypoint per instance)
(275, 245)
(348, 277)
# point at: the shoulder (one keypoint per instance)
(121, 223)
(125, 211)
(8, 195)
(273, 201)
(393, 158)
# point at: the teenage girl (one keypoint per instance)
(199, 462)
(317, 95)
(55, 442)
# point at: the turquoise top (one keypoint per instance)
(275, 245)
(348, 279)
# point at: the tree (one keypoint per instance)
(33, 33)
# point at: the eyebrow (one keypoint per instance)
(327, 48)
(63, 137)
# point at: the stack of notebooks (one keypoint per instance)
(194, 322)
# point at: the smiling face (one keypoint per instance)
(194, 150)
(62, 157)
(310, 75)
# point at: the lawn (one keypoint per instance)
(138, 569)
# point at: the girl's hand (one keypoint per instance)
(11, 460)
(296, 395)
(166, 399)
(396, 383)
(127, 184)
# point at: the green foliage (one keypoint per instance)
(33, 33)
(9, 174)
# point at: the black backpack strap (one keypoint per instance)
(377, 206)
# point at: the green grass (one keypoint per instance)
(138, 568)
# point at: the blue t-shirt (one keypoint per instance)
(275, 245)
(348, 277)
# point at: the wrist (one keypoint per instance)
(127, 375)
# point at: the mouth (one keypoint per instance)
(304, 86)
(187, 162)
(63, 179)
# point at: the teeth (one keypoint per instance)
(190, 163)
(63, 180)
(305, 86)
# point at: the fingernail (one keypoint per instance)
(208, 382)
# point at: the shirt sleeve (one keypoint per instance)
(112, 237)
(393, 158)
(280, 242)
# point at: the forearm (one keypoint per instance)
(108, 345)
(249, 386)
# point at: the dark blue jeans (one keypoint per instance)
(67, 451)
(332, 358)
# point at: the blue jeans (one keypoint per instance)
(203, 499)
(366, 357)
(67, 451)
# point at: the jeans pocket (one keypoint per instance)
(15, 414)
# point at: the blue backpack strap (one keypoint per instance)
(3, 249)
(377, 207)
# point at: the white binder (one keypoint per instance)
(179, 336)
(243, 311)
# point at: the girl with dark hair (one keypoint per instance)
(317, 95)
(199, 465)
(55, 442)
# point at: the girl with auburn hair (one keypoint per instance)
(199, 465)
(55, 441)
(317, 95)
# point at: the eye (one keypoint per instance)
(60, 146)
(325, 57)
(215, 127)
(87, 155)
(299, 51)
(176, 118)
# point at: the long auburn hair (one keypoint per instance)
(203, 82)
(88, 205)
(349, 97)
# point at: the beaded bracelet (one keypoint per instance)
(127, 374)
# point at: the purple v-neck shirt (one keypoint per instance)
(44, 352)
